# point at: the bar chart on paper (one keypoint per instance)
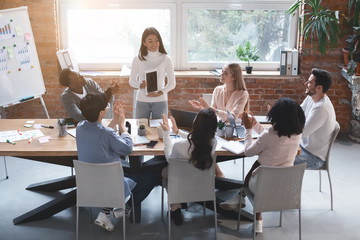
(6, 29)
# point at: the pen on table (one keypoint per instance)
(30, 140)
(11, 142)
(19, 132)
(174, 135)
(46, 126)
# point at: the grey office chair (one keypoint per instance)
(99, 185)
(327, 161)
(283, 192)
(187, 183)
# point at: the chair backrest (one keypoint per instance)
(332, 140)
(278, 188)
(135, 92)
(99, 184)
(187, 183)
(207, 97)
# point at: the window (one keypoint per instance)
(108, 34)
(102, 37)
(214, 32)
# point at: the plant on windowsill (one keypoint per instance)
(319, 24)
(247, 52)
(221, 129)
(141, 130)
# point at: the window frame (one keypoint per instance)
(264, 5)
(65, 5)
(178, 26)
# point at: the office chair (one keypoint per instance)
(283, 192)
(327, 161)
(187, 183)
(95, 191)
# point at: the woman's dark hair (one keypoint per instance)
(92, 104)
(204, 128)
(64, 77)
(143, 50)
(287, 117)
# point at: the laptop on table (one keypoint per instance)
(183, 118)
(239, 130)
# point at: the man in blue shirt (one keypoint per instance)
(99, 144)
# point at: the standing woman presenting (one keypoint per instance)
(152, 57)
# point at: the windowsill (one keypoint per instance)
(196, 74)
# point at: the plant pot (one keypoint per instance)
(346, 56)
(220, 132)
(248, 69)
(357, 71)
(141, 132)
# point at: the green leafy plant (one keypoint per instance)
(353, 21)
(318, 23)
(354, 51)
(353, 17)
(142, 126)
(221, 124)
(247, 52)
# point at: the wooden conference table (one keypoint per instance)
(62, 151)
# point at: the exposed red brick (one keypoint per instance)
(263, 91)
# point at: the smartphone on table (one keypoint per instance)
(151, 144)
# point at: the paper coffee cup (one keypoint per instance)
(160, 132)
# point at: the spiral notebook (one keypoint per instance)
(235, 147)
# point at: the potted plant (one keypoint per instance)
(246, 53)
(141, 130)
(318, 23)
(353, 50)
(221, 128)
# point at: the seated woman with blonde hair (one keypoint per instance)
(232, 96)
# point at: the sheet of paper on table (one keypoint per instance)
(15, 135)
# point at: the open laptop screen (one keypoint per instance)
(183, 118)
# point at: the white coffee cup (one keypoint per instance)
(160, 132)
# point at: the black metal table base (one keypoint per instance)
(53, 185)
(49, 209)
(133, 166)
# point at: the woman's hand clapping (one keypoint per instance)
(248, 121)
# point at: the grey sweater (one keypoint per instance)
(71, 101)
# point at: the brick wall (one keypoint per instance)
(262, 90)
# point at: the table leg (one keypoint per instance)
(136, 162)
(228, 213)
(229, 184)
(48, 209)
(53, 185)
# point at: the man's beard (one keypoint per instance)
(310, 93)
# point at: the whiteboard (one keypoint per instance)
(20, 72)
